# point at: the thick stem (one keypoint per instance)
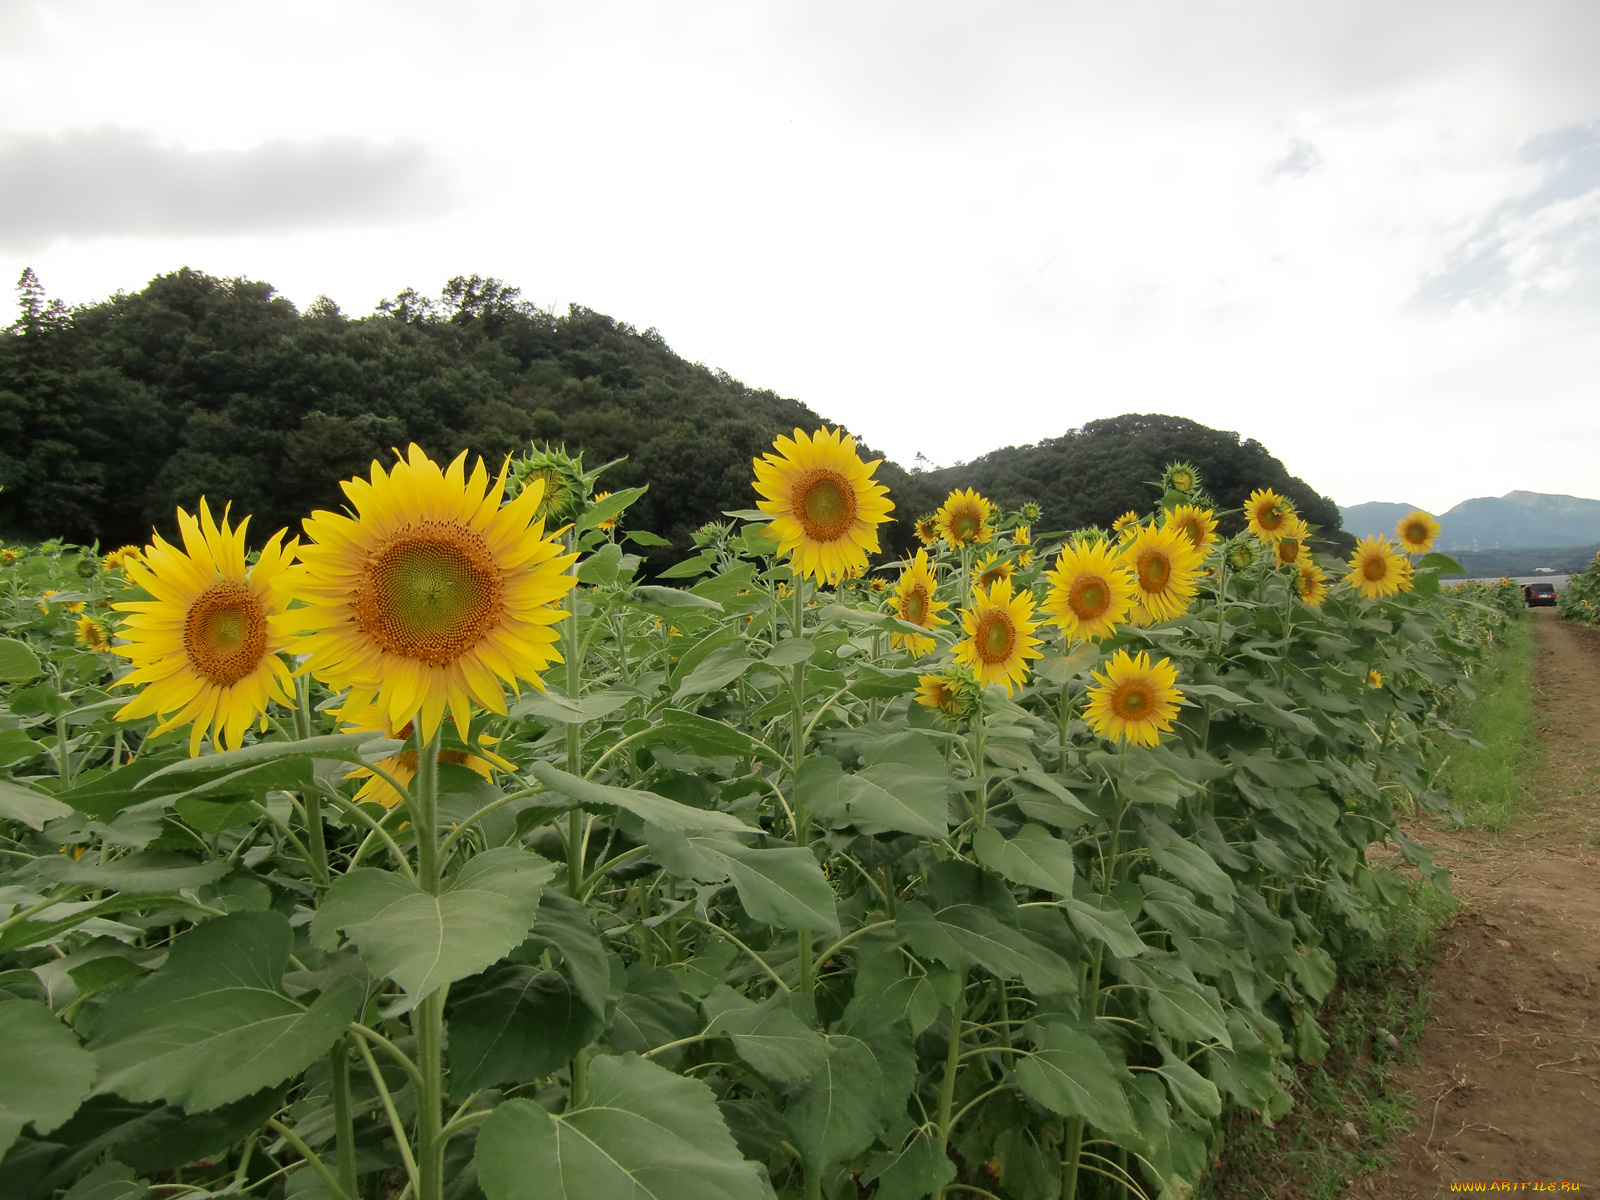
(1071, 1149)
(427, 1018)
(797, 753)
(952, 1063)
(316, 835)
(574, 656)
(343, 1119)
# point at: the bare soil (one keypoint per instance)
(1507, 1088)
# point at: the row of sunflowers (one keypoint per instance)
(1580, 600)
(436, 851)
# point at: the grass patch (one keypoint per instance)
(1308, 1154)
(1488, 786)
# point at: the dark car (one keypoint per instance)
(1539, 593)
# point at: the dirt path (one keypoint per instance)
(1508, 1086)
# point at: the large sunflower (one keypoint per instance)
(1091, 590)
(999, 642)
(430, 595)
(825, 505)
(1268, 514)
(1417, 531)
(1133, 701)
(204, 647)
(1378, 569)
(1166, 570)
(1199, 524)
(914, 603)
(965, 519)
(1290, 548)
(1311, 584)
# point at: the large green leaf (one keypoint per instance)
(44, 1073)
(916, 1172)
(213, 1024)
(962, 935)
(1189, 864)
(644, 1134)
(17, 661)
(145, 871)
(887, 796)
(343, 746)
(423, 942)
(782, 885)
(109, 1181)
(838, 1113)
(1032, 856)
(701, 734)
(1107, 924)
(716, 671)
(647, 806)
(564, 924)
(34, 809)
(767, 1036)
(517, 1024)
(1071, 1074)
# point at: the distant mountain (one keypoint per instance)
(1515, 521)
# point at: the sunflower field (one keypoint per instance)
(1580, 599)
(432, 852)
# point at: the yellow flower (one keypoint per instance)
(1375, 678)
(876, 584)
(1133, 701)
(1126, 526)
(403, 766)
(991, 569)
(999, 642)
(1022, 535)
(43, 601)
(1091, 591)
(1198, 524)
(1288, 547)
(914, 604)
(1180, 477)
(1025, 558)
(204, 648)
(1166, 569)
(431, 595)
(119, 556)
(610, 523)
(964, 519)
(92, 634)
(826, 507)
(1311, 583)
(1377, 568)
(952, 693)
(1417, 531)
(927, 530)
(1268, 514)
(7, 555)
(76, 607)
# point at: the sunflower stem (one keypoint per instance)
(343, 1118)
(427, 1018)
(310, 797)
(797, 729)
(947, 1083)
(576, 841)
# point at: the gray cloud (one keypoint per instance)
(118, 182)
(1540, 245)
(1301, 159)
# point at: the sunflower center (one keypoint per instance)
(993, 574)
(1155, 570)
(825, 504)
(1270, 516)
(1416, 534)
(916, 606)
(225, 633)
(966, 524)
(1132, 700)
(995, 637)
(1288, 550)
(1089, 598)
(1374, 568)
(1182, 481)
(431, 592)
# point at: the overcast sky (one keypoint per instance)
(1366, 234)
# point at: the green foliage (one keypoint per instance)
(1580, 599)
(1486, 779)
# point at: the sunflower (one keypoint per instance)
(1268, 513)
(964, 519)
(999, 628)
(1091, 590)
(1025, 558)
(403, 766)
(1417, 531)
(1022, 535)
(1180, 477)
(610, 523)
(826, 507)
(1128, 520)
(431, 594)
(1132, 701)
(1166, 569)
(119, 556)
(1031, 511)
(914, 604)
(1311, 584)
(991, 569)
(927, 530)
(953, 693)
(92, 633)
(1089, 535)
(204, 647)
(43, 602)
(1377, 568)
(876, 584)
(1241, 553)
(1288, 547)
(1200, 524)
(1375, 678)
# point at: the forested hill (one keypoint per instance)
(114, 413)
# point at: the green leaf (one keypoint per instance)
(559, 710)
(144, 871)
(782, 886)
(564, 924)
(109, 1181)
(342, 746)
(837, 1116)
(213, 816)
(518, 1024)
(1189, 1088)
(903, 788)
(34, 809)
(644, 1134)
(600, 568)
(213, 1025)
(596, 511)
(1189, 864)
(918, 1171)
(44, 1073)
(791, 651)
(1108, 925)
(647, 806)
(1442, 563)
(1032, 856)
(716, 671)
(1071, 1074)
(699, 564)
(644, 537)
(652, 596)
(650, 1012)
(767, 1036)
(423, 942)
(17, 746)
(17, 661)
(882, 683)
(963, 934)
(1183, 1008)
(701, 734)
